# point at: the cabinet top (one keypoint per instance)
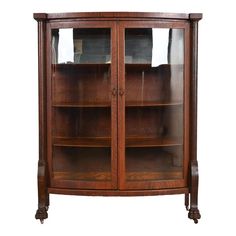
(153, 15)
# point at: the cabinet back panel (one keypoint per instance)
(81, 84)
(154, 122)
(85, 122)
(154, 163)
(145, 83)
(81, 159)
(81, 163)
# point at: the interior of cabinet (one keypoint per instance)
(154, 143)
(153, 108)
(81, 108)
(154, 122)
(81, 104)
(153, 86)
(138, 46)
(82, 144)
(81, 122)
(153, 163)
(82, 163)
(85, 46)
(81, 85)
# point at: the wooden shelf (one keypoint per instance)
(84, 66)
(106, 142)
(173, 173)
(139, 167)
(84, 176)
(152, 142)
(82, 104)
(159, 164)
(152, 103)
(149, 65)
(108, 104)
(82, 142)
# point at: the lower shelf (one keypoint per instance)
(84, 164)
(153, 176)
(87, 176)
(94, 164)
(130, 176)
(154, 164)
(106, 141)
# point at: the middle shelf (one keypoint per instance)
(95, 104)
(106, 142)
(92, 127)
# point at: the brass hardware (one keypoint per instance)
(121, 92)
(114, 92)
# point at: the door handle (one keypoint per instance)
(121, 92)
(114, 92)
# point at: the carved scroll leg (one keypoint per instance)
(194, 213)
(43, 196)
(186, 201)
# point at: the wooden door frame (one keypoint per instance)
(161, 184)
(83, 184)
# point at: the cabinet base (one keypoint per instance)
(89, 192)
(193, 213)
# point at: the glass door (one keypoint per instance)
(153, 105)
(82, 143)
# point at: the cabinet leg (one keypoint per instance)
(194, 213)
(41, 214)
(186, 201)
(47, 201)
(43, 196)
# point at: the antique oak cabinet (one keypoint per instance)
(117, 105)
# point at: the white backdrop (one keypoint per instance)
(75, 215)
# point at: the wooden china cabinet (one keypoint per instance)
(118, 105)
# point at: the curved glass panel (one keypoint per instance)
(154, 75)
(81, 104)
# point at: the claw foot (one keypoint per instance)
(194, 214)
(41, 214)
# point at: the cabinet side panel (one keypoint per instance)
(42, 103)
(193, 88)
(43, 196)
(194, 212)
(186, 103)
